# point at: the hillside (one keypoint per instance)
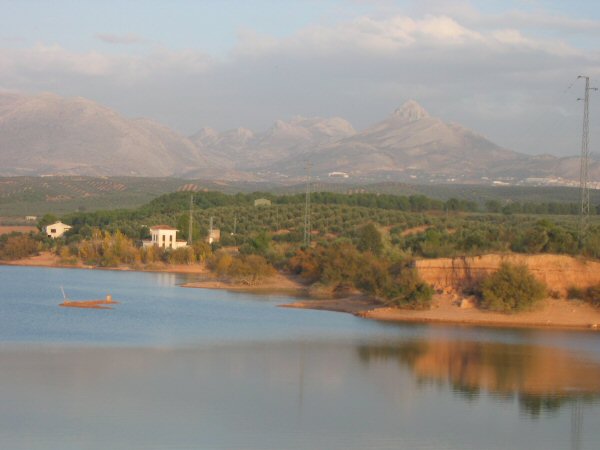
(48, 134)
(20, 196)
(51, 135)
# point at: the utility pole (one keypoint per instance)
(307, 207)
(210, 231)
(584, 213)
(190, 239)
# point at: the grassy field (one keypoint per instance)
(20, 196)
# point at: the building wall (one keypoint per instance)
(56, 230)
(164, 238)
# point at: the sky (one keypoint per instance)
(505, 69)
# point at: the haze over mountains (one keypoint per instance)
(48, 134)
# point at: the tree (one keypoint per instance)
(511, 289)
(46, 219)
(369, 239)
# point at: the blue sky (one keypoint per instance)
(498, 67)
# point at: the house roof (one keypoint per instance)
(163, 227)
(59, 223)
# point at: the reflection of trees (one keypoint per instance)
(542, 379)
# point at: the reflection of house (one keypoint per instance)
(214, 235)
(57, 229)
(164, 236)
(262, 202)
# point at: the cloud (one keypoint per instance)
(489, 73)
(120, 39)
(42, 63)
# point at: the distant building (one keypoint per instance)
(262, 202)
(57, 229)
(164, 236)
(338, 175)
(214, 235)
(30, 218)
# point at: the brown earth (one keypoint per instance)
(49, 259)
(558, 272)
(6, 229)
(450, 275)
(556, 313)
(276, 284)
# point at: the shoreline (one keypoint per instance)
(552, 313)
(446, 309)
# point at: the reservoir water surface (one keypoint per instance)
(170, 367)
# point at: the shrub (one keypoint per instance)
(592, 296)
(248, 269)
(183, 255)
(575, 293)
(370, 239)
(408, 290)
(511, 289)
(18, 246)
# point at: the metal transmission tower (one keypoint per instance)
(307, 225)
(585, 153)
(190, 224)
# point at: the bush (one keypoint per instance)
(183, 255)
(575, 293)
(592, 295)
(248, 269)
(511, 289)
(18, 246)
(408, 290)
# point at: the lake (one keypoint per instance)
(178, 368)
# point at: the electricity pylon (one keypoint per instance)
(307, 224)
(584, 212)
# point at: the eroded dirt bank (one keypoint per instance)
(558, 272)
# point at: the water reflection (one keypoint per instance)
(543, 379)
(299, 396)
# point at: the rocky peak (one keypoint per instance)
(411, 111)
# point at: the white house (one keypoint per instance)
(164, 236)
(57, 229)
(214, 235)
(262, 202)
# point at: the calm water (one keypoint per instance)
(180, 368)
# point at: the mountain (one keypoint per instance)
(283, 140)
(411, 140)
(48, 134)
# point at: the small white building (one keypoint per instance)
(214, 235)
(164, 236)
(262, 202)
(57, 229)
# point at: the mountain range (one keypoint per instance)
(49, 134)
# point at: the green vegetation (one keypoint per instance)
(340, 265)
(18, 245)
(21, 196)
(590, 295)
(361, 241)
(247, 269)
(511, 289)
